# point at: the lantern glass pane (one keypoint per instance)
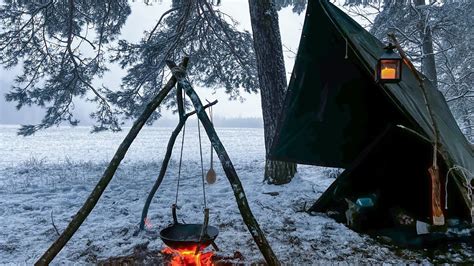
(389, 69)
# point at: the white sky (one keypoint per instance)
(144, 17)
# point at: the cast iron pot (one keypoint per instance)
(186, 236)
(180, 236)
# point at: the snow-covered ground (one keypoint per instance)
(52, 173)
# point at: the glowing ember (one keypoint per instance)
(188, 258)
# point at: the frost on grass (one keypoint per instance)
(32, 189)
(26, 209)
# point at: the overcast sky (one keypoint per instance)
(144, 17)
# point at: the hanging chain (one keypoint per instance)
(179, 165)
(202, 165)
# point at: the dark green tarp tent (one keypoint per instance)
(336, 115)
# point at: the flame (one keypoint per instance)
(188, 257)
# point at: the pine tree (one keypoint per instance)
(272, 81)
(53, 41)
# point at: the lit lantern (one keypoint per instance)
(389, 66)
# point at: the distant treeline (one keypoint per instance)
(254, 122)
(13, 118)
(239, 122)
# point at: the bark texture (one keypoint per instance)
(272, 80)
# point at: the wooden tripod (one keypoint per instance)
(179, 76)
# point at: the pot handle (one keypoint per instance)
(203, 230)
(173, 212)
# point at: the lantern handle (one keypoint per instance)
(390, 47)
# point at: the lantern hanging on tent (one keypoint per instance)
(389, 66)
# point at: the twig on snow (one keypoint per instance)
(54, 226)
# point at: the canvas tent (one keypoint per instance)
(336, 115)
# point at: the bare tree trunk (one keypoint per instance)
(93, 198)
(428, 63)
(228, 167)
(272, 80)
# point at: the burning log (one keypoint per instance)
(188, 257)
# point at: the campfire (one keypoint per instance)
(188, 257)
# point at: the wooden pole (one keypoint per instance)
(437, 212)
(169, 149)
(109, 172)
(228, 167)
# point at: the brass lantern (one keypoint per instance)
(389, 66)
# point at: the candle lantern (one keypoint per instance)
(389, 66)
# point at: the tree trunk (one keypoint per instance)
(428, 63)
(272, 80)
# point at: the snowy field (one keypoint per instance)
(52, 173)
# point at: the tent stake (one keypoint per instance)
(228, 167)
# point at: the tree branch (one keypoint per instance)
(159, 21)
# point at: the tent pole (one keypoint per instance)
(437, 212)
